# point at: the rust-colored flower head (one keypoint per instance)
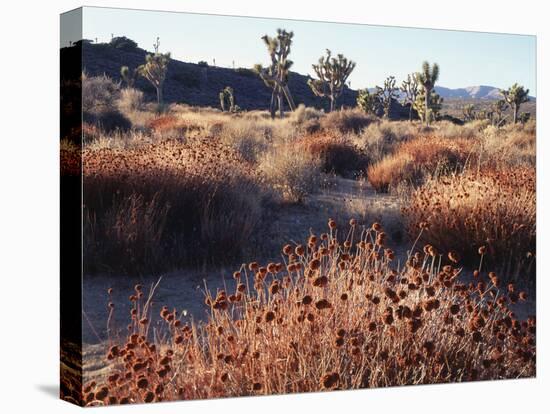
(323, 304)
(320, 281)
(314, 264)
(306, 300)
(269, 316)
(454, 309)
(330, 381)
(454, 256)
(377, 226)
(482, 250)
(331, 224)
(287, 249)
(344, 296)
(253, 266)
(300, 250)
(353, 222)
(142, 383)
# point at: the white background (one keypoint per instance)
(29, 287)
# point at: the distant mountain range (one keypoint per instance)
(480, 92)
(471, 92)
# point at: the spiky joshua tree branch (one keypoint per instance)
(333, 73)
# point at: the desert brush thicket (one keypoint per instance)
(337, 312)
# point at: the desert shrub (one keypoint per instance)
(338, 316)
(108, 120)
(381, 138)
(293, 174)
(446, 129)
(511, 145)
(201, 201)
(122, 42)
(130, 100)
(495, 209)
(413, 160)
(337, 154)
(345, 121)
(99, 93)
(247, 73)
(251, 138)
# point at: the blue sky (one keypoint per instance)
(465, 58)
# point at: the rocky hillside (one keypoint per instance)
(200, 85)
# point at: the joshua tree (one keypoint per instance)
(427, 78)
(497, 116)
(227, 94)
(431, 112)
(409, 87)
(128, 76)
(387, 94)
(514, 96)
(368, 102)
(468, 111)
(275, 76)
(333, 73)
(154, 70)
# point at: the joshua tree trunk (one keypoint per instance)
(280, 99)
(410, 113)
(427, 107)
(272, 105)
(288, 97)
(515, 108)
(159, 95)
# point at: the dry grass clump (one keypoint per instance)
(337, 154)
(292, 174)
(346, 121)
(495, 209)
(381, 138)
(335, 313)
(130, 100)
(511, 145)
(446, 129)
(415, 159)
(156, 206)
